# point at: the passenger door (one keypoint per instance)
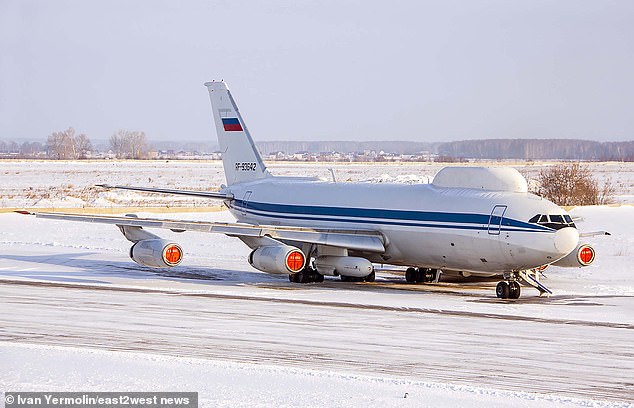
(495, 219)
(245, 202)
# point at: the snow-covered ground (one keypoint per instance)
(227, 384)
(71, 184)
(77, 314)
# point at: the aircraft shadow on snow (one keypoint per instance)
(86, 270)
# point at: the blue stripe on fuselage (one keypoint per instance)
(396, 217)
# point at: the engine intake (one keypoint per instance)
(277, 259)
(156, 253)
(583, 255)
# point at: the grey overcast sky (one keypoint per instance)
(320, 70)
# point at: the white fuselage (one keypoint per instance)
(456, 229)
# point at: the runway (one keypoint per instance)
(450, 345)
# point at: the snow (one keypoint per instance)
(69, 293)
(71, 184)
(230, 384)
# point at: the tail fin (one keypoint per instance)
(240, 157)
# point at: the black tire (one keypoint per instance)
(318, 277)
(345, 278)
(370, 278)
(421, 274)
(303, 276)
(410, 275)
(514, 290)
(502, 290)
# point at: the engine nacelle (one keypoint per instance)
(343, 265)
(277, 259)
(156, 253)
(583, 255)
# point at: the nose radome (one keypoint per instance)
(566, 239)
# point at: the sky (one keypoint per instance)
(427, 71)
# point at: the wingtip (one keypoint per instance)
(24, 212)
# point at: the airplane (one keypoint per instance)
(469, 221)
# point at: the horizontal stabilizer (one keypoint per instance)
(206, 194)
(593, 233)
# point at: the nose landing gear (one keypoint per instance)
(508, 290)
(510, 287)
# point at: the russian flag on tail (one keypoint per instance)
(231, 125)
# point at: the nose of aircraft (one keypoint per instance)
(566, 239)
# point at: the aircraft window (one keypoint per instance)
(559, 219)
(556, 221)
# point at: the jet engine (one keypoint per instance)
(156, 253)
(277, 259)
(583, 255)
(343, 265)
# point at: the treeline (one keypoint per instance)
(290, 147)
(70, 145)
(22, 150)
(523, 149)
(539, 149)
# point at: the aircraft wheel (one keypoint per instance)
(370, 278)
(514, 290)
(345, 278)
(502, 290)
(319, 277)
(301, 276)
(410, 275)
(421, 275)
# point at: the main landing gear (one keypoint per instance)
(306, 275)
(310, 275)
(417, 275)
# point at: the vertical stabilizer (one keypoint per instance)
(240, 157)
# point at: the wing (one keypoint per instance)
(207, 194)
(358, 240)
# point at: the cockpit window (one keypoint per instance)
(554, 221)
(559, 219)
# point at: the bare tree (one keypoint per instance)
(138, 145)
(129, 144)
(117, 144)
(83, 145)
(572, 184)
(65, 145)
(61, 145)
